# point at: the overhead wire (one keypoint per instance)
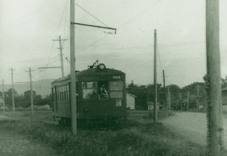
(91, 14)
(124, 25)
(159, 57)
(99, 21)
(63, 12)
(65, 26)
(82, 49)
(134, 18)
(47, 64)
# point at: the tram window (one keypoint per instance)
(116, 89)
(116, 86)
(62, 93)
(103, 89)
(89, 90)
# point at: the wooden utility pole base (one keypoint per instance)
(214, 113)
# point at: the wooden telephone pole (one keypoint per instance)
(32, 101)
(3, 96)
(72, 68)
(12, 89)
(72, 62)
(164, 86)
(61, 54)
(214, 113)
(30, 75)
(197, 98)
(155, 77)
(188, 99)
(169, 101)
(180, 101)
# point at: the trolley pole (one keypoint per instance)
(12, 89)
(155, 78)
(3, 96)
(73, 67)
(214, 113)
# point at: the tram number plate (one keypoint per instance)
(116, 77)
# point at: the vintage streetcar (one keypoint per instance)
(101, 96)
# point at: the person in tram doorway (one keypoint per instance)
(103, 92)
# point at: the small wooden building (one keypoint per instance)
(130, 101)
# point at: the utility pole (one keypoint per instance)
(73, 61)
(72, 68)
(32, 101)
(188, 100)
(180, 100)
(61, 55)
(213, 80)
(169, 102)
(3, 96)
(12, 89)
(155, 77)
(164, 85)
(197, 98)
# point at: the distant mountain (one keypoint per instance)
(41, 87)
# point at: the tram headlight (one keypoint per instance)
(102, 66)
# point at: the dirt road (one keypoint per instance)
(192, 126)
(14, 144)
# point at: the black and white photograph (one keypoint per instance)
(113, 78)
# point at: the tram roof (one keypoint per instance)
(96, 71)
(92, 72)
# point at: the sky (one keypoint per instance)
(28, 27)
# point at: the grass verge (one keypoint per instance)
(135, 139)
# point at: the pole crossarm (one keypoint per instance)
(95, 26)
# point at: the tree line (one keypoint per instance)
(191, 97)
(24, 100)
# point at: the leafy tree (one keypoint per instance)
(27, 94)
(43, 101)
(197, 94)
(8, 97)
(24, 100)
(143, 94)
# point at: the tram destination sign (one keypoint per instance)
(116, 77)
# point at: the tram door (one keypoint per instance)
(103, 89)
